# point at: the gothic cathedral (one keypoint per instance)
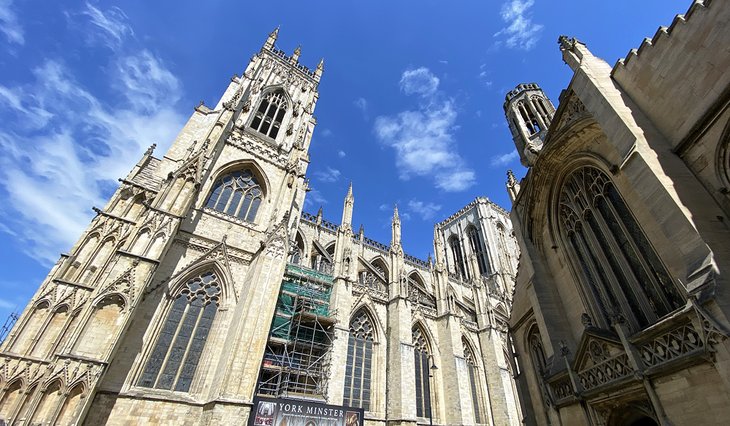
(203, 294)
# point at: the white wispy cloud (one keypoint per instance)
(425, 210)
(9, 24)
(362, 105)
(520, 31)
(385, 207)
(112, 25)
(63, 147)
(328, 175)
(326, 133)
(341, 154)
(419, 81)
(504, 159)
(424, 138)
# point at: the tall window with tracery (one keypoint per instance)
(423, 380)
(237, 194)
(537, 353)
(459, 265)
(614, 259)
(270, 114)
(475, 241)
(176, 353)
(471, 365)
(358, 373)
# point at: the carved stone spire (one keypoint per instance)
(319, 70)
(296, 54)
(346, 224)
(513, 186)
(319, 216)
(395, 242)
(271, 40)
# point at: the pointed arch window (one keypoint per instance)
(176, 353)
(270, 114)
(614, 259)
(477, 247)
(237, 194)
(459, 265)
(423, 372)
(358, 373)
(471, 366)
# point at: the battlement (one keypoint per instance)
(523, 87)
(661, 32)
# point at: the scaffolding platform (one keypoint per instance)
(296, 362)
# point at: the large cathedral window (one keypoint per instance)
(176, 353)
(270, 114)
(457, 255)
(471, 365)
(423, 372)
(477, 247)
(358, 372)
(237, 194)
(615, 260)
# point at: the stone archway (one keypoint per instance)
(633, 415)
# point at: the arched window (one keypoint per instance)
(615, 261)
(358, 372)
(176, 353)
(459, 265)
(423, 372)
(268, 117)
(537, 353)
(237, 194)
(297, 251)
(477, 247)
(471, 366)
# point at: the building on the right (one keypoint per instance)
(621, 310)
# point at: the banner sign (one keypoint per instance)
(287, 412)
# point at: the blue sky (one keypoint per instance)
(410, 105)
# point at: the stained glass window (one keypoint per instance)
(176, 353)
(237, 194)
(358, 372)
(471, 366)
(423, 382)
(617, 264)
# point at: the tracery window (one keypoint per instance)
(471, 366)
(297, 251)
(478, 249)
(176, 353)
(423, 380)
(268, 117)
(237, 194)
(615, 261)
(459, 265)
(537, 352)
(358, 373)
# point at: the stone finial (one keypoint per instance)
(296, 54)
(271, 40)
(566, 43)
(319, 70)
(151, 149)
(513, 186)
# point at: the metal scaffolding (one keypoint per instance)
(9, 323)
(297, 358)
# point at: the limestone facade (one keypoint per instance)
(622, 307)
(165, 311)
